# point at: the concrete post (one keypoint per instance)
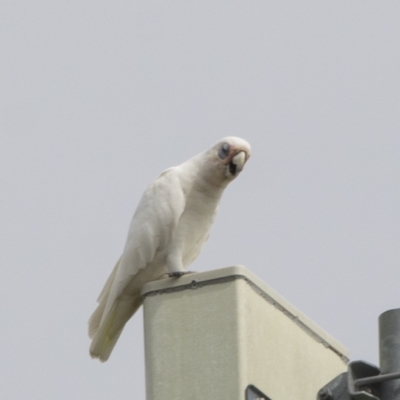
(210, 335)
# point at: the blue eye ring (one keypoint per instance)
(224, 151)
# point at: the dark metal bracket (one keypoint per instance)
(252, 393)
(365, 381)
(361, 382)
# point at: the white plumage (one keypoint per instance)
(170, 225)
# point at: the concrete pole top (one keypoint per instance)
(218, 276)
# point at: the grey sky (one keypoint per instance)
(97, 98)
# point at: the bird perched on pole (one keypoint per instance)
(170, 226)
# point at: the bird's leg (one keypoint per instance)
(175, 267)
(178, 274)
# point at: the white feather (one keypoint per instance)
(170, 226)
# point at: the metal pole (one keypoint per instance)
(389, 351)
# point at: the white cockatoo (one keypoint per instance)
(170, 226)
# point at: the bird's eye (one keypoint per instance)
(224, 151)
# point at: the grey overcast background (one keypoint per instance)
(97, 98)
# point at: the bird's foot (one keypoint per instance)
(178, 274)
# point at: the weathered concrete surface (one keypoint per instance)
(210, 335)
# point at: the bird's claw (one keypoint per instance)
(178, 274)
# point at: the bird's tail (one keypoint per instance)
(95, 319)
(105, 329)
(106, 335)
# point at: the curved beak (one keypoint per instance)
(236, 164)
(239, 160)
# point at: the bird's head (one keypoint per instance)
(232, 153)
(226, 159)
